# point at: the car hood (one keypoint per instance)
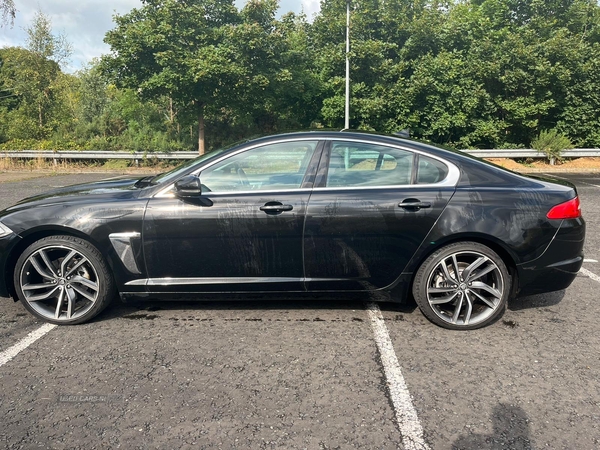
(122, 188)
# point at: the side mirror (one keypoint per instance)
(188, 186)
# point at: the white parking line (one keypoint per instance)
(13, 351)
(406, 415)
(590, 260)
(592, 275)
(589, 184)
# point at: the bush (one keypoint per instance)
(552, 143)
(116, 164)
(46, 144)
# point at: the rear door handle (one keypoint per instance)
(414, 204)
(276, 208)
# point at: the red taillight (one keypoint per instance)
(566, 210)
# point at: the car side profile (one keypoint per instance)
(302, 212)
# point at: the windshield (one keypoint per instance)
(172, 174)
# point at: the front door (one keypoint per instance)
(244, 233)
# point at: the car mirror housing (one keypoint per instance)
(188, 186)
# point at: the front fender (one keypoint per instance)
(92, 222)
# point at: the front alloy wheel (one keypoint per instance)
(63, 280)
(462, 286)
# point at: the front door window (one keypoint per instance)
(280, 166)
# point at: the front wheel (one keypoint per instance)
(462, 286)
(63, 280)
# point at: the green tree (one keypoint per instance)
(33, 77)
(114, 118)
(93, 92)
(280, 88)
(380, 33)
(32, 80)
(479, 73)
(43, 43)
(179, 49)
(7, 11)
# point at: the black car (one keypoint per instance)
(302, 212)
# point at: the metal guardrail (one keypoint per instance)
(530, 153)
(137, 156)
(94, 154)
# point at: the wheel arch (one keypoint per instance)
(35, 234)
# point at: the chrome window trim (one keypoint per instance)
(451, 179)
(393, 186)
(319, 189)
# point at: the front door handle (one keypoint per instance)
(414, 204)
(276, 208)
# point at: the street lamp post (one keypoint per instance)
(347, 115)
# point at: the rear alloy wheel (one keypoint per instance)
(462, 286)
(63, 280)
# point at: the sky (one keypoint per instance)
(85, 22)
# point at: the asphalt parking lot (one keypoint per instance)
(300, 373)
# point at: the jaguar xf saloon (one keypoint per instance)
(318, 212)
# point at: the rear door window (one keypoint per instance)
(354, 164)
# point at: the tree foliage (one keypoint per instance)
(45, 44)
(180, 49)
(8, 12)
(33, 76)
(465, 73)
(212, 59)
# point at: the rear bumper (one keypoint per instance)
(551, 278)
(558, 266)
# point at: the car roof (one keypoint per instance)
(363, 135)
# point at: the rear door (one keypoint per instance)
(371, 208)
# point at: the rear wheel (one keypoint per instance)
(462, 286)
(63, 280)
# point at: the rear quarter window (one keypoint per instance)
(431, 170)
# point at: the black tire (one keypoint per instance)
(439, 295)
(91, 279)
